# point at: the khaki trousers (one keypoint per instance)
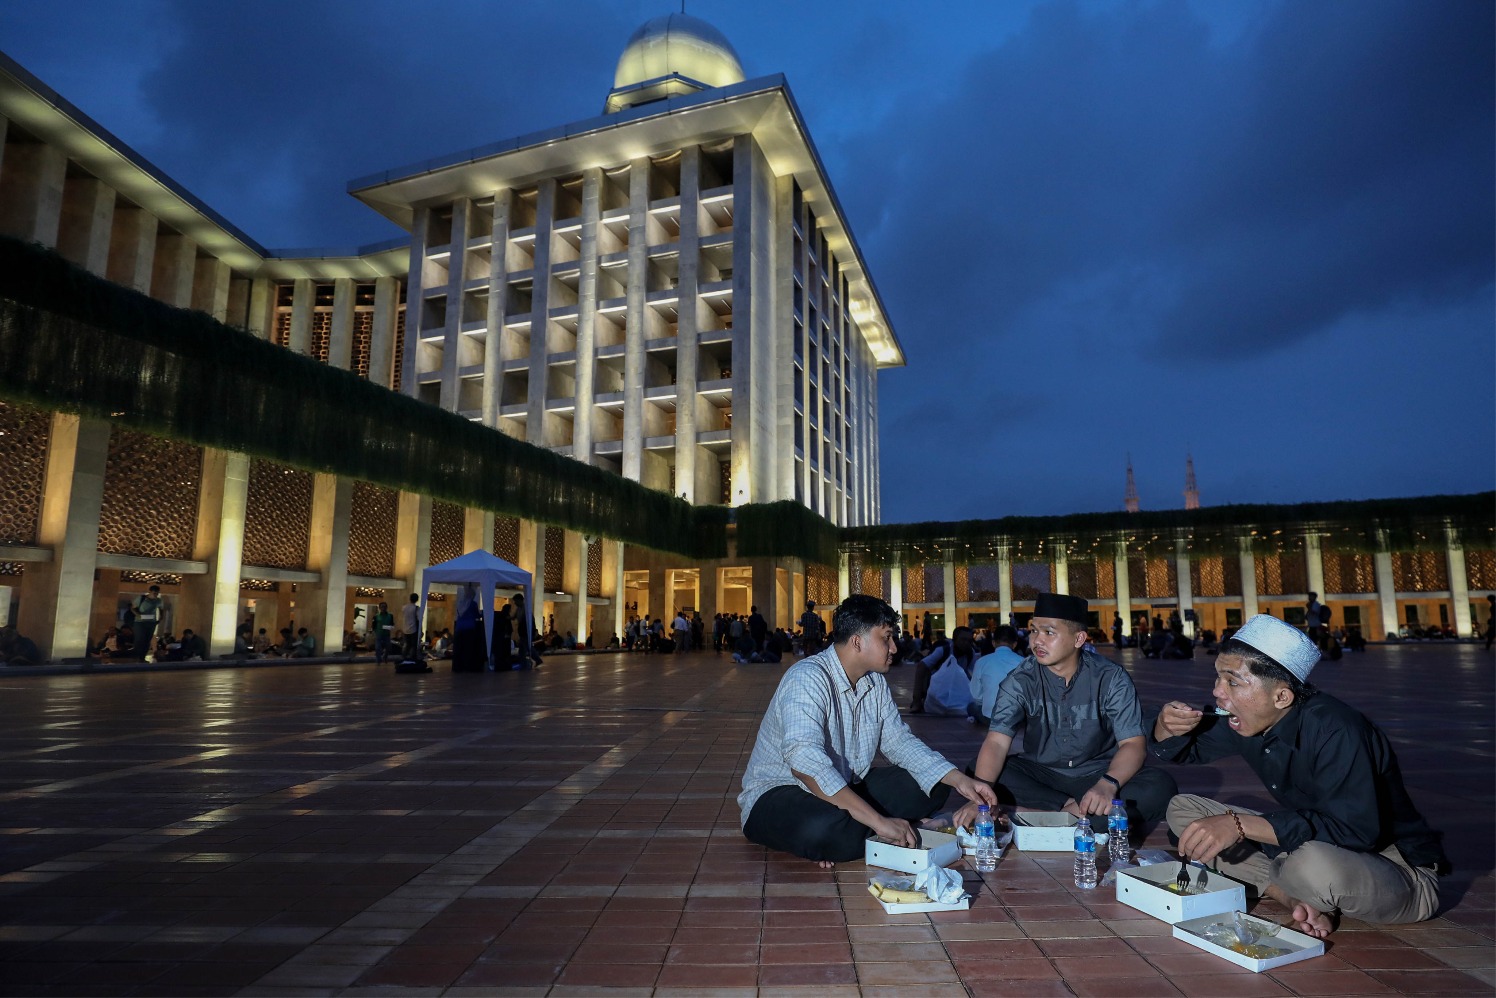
(1374, 887)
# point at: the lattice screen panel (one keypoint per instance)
(1163, 578)
(446, 531)
(963, 581)
(506, 538)
(866, 579)
(1207, 577)
(280, 331)
(1419, 571)
(595, 569)
(363, 342)
(820, 584)
(150, 496)
(983, 583)
(150, 578)
(555, 558)
(1083, 579)
(1480, 568)
(399, 366)
(1349, 573)
(278, 515)
(1030, 578)
(24, 432)
(321, 334)
(12, 569)
(1269, 568)
(1295, 569)
(372, 530)
(914, 584)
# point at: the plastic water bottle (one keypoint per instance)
(1085, 854)
(1116, 834)
(986, 833)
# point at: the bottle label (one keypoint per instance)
(1085, 847)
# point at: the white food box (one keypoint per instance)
(1047, 831)
(1145, 888)
(914, 909)
(1303, 947)
(935, 849)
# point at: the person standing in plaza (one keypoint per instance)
(1084, 742)
(1311, 619)
(810, 788)
(384, 626)
(147, 610)
(1116, 630)
(1490, 620)
(1345, 836)
(682, 630)
(410, 628)
(758, 629)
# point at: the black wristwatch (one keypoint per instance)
(1112, 780)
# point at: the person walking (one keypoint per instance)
(147, 609)
(410, 628)
(384, 626)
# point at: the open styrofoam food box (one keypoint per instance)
(935, 849)
(1146, 888)
(1047, 831)
(1300, 946)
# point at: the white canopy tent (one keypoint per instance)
(486, 571)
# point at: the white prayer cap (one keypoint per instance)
(1281, 642)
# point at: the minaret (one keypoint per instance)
(1191, 494)
(1130, 501)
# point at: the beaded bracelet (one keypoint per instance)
(1240, 832)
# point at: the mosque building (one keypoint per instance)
(669, 291)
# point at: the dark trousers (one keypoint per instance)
(922, 676)
(1029, 784)
(381, 646)
(788, 819)
(144, 632)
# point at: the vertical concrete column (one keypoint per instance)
(1459, 583)
(711, 595)
(56, 596)
(132, 248)
(87, 217)
(1124, 587)
(415, 290)
(1386, 588)
(477, 530)
(896, 586)
(754, 339)
(413, 539)
(452, 346)
(210, 287)
(1248, 562)
(210, 604)
(584, 385)
(1314, 563)
(382, 335)
(1005, 583)
(340, 336)
(686, 351)
(661, 596)
(538, 557)
(498, 308)
(843, 577)
(613, 553)
(322, 606)
(303, 301)
(573, 616)
(540, 324)
(766, 589)
(948, 570)
(237, 306)
(31, 187)
(1061, 568)
(782, 243)
(634, 336)
(174, 270)
(1186, 585)
(259, 318)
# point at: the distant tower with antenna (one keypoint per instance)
(1191, 493)
(1130, 500)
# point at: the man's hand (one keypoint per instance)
(975, 791)
(896, 830)
(1176, 719)
(967, 816)
(1098, 800)
(1205, 838)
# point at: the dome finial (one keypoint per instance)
(671, 55)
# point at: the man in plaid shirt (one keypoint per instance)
(810, 788)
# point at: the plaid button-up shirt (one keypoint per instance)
(821, 725)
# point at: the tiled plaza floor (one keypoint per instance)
(338, 829)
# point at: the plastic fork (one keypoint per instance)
(1200, 879)
(1182, 882)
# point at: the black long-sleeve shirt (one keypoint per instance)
(1334, 773)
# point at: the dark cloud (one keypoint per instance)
(1257, 230)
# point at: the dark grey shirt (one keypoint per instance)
(1074, 728)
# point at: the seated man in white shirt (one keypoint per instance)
(989, 672)
(810, 788)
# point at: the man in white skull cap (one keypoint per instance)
(1346, 837)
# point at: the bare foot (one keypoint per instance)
(1311, 921)
(826, 864)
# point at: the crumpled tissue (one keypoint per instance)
(943, 885)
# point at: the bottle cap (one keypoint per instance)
(983, 808)
(1115, 802)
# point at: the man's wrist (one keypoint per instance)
(1112, 780)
